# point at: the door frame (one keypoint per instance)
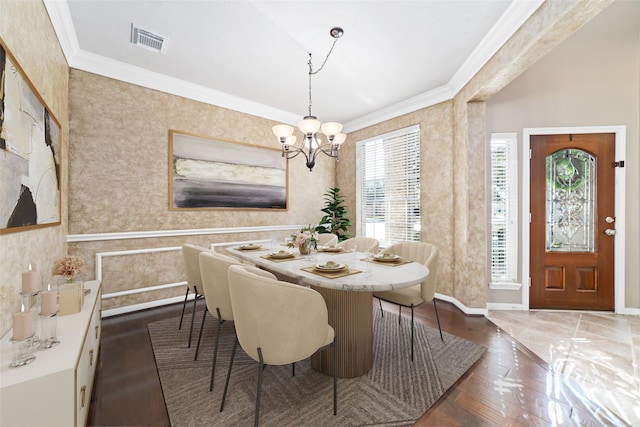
(619, 206)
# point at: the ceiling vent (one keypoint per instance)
(147, 40)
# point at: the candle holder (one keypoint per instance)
(22, 352)
(48, 324)
(29, 299)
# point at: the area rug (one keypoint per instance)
(396, 392)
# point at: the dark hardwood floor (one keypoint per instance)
(507, 386)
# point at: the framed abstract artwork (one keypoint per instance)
(30, 143)
(208, 173)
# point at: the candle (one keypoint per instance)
(22, 325)
(30, 282)
(48, 303)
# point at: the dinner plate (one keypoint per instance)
(280, 255)
(250, 246)
(386, 257)
(330, 266)
(331, 249)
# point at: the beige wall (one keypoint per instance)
(436, 175)
(591, 79)
(457, 219)
(119, 177)
(27, 32)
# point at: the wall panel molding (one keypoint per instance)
(127, 235)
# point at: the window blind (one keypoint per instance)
(388, 181)
(504, 209)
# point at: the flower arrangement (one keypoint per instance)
(68, 267)
(305, 238)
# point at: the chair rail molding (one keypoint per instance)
(127, 235)
(100, 256)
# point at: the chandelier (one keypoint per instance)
(311, 144)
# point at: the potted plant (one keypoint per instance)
(335, 220)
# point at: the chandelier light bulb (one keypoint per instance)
(339, 139)
(290, 141)
(331, 129)
(309, 125)
(282, 131)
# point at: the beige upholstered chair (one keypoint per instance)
(364, 244)
(424, 253)
(190, 254)
(215, 286)
(277, 323)
(327, 239)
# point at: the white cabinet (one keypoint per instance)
(54, 389)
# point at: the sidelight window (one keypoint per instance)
(504, 208)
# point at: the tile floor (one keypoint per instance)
(594, 356)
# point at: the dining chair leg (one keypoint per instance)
(335, 376)
(204, 316)
(435, 307)
(381, 310)
(193, 318)
(184, 305)
(412, 332)
(226, 384)
(293, 369)
(260, 371)
(215, 349)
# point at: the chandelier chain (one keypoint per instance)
(311, 72)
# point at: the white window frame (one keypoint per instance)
(503, 213)
(383, 231)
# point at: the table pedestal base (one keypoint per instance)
(351, 316)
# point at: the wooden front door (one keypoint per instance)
(572, 221)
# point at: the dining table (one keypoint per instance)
(346, 280)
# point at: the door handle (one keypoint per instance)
(609, 220)
(610, 232)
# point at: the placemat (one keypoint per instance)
(333, 274)
(396, 263)
(280, 259)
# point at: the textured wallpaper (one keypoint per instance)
(119, 181)
(453, 136)
(27, 32)
(436, 175)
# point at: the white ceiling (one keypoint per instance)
(251, 56)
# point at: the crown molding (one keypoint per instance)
(63, 26)
(100, 65)
(510, 21)
(76, 58)
(513, 18)
(426, 99)
(517, 13)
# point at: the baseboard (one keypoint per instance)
(469, 311)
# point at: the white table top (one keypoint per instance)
(381, 278)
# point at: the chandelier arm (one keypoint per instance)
(327, 148)
(288, 154)
(298, 151)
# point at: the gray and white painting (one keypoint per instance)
(29, 154)
(207, 173)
